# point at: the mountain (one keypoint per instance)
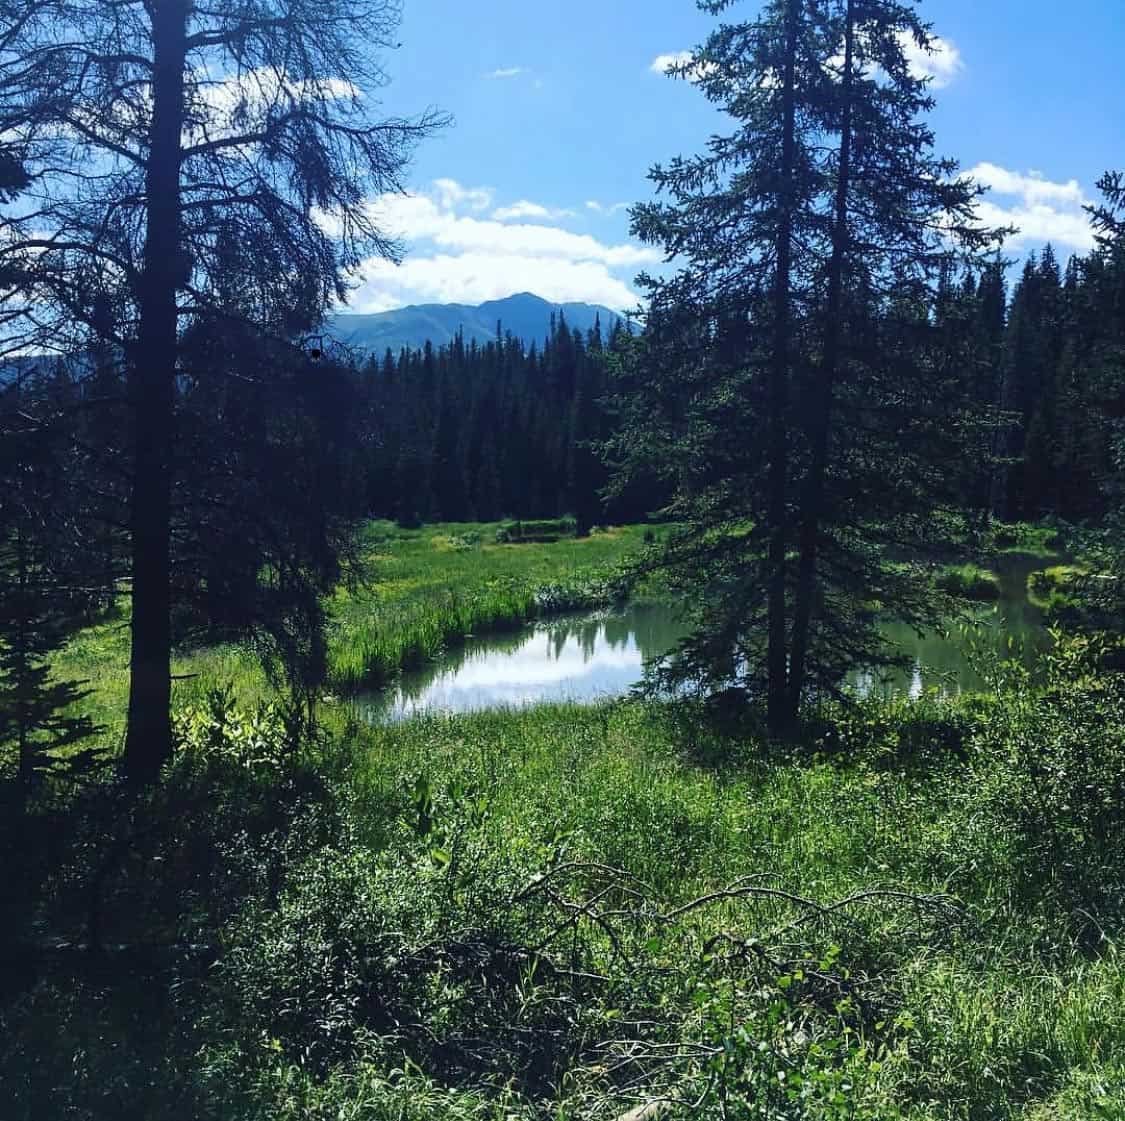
(526, 316)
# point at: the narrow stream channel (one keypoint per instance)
(590, 657)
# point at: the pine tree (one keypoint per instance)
(694, 408)
(152, 200)
(42, 592)
(786, 371)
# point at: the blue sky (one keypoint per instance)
(561, 109)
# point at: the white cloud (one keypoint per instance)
(454, 255)
(667, 63)
(1043, 210)
(507, 72)
(941, 64)
(426, 217)
(450, 194)
(525, 209)
(266, 85)
(1032, 187)
(604, 209)
(472, 278)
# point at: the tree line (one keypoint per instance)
(477, 433)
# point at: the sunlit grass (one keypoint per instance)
(423, 590)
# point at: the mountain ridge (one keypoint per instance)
(525, 315)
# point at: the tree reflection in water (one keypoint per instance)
(589, 657)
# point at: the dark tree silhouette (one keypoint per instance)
(44, 591)
(177, 151)
(785, 379)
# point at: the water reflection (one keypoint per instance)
(1010, 626)
(589, 657)
(573, 659)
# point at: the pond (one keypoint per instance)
(573, 658)
(590, 657)
(942, 662)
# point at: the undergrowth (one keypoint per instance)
(561, 912)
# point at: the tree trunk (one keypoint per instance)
(148, 741)
(819, 407)
(776, 655)
(22, 668)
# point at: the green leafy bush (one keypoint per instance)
(969, 582)
(1054, 763)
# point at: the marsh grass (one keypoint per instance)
(1056, 589)
(969, 581)
(521, 914)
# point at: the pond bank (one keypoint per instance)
(590, 656)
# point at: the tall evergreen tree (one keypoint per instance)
(799, 321)
(139, 170)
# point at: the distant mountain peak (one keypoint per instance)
(525, 315)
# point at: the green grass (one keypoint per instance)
(969, 581)
(433, 587)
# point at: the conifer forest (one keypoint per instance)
(705, 699)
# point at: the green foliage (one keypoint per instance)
(431, 590)
(48, 586)
(1058, 774)
(968, 581)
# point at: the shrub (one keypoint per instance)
(969, 582)
(1056, 589)
(1054, 761)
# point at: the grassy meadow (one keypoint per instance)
(561, 913)
(416, 592)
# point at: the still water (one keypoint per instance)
(590, 657)
(943, 661)
(574, 658)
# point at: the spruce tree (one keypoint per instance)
(785, 379)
